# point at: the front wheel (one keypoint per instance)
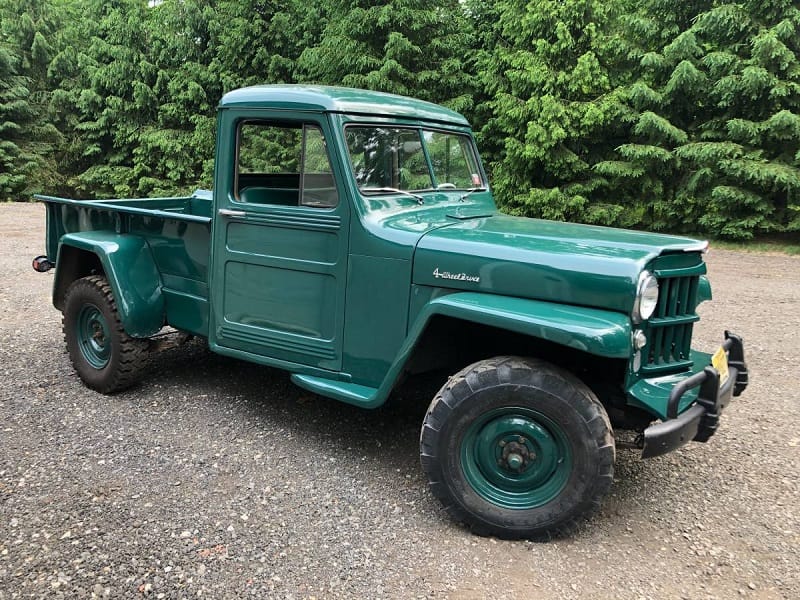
(105, 357)
(517, 448)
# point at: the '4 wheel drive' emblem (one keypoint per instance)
(456, 276)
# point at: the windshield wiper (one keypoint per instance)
(390, 190)
(468, 193)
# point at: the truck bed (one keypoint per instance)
(197, 206)
(177, 231)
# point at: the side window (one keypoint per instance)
(283, 163)
(268, 162)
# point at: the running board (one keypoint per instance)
(352, 393)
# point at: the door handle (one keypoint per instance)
(227, 212)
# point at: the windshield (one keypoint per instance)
(404, 158)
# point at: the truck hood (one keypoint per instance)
(531, 258)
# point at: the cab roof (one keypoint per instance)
(320, 98)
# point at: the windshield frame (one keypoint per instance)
(419, 129)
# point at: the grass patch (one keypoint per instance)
(779, 244)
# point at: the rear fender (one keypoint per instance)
(128, 265)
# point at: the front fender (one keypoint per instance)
(131, 271)
(703, 289)
(599, 332)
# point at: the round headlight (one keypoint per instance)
(646, 297)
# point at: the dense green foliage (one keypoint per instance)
(409, 47)
(26, 131)
(716, 112)
(556, 108)
(643, 113)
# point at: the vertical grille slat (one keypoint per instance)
(683, 295)
(680, 333)
(669, 334)
(693, 284)
(655, 351)
(672, 301)
(661, 310)
(686, 343)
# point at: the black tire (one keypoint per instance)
(110, 360)
(546, 430)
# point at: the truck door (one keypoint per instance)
(279, 241)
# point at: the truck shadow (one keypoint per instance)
(265, 396)
(385, 441)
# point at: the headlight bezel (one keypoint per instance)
(646, 301)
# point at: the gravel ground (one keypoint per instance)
(220, 479)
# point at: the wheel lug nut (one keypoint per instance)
(521, 440)
(515, 461)
(502, 443)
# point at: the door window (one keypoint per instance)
(285, 164)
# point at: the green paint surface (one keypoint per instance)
(532, 474)
(93, 336)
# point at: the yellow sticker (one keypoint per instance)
(720, 362)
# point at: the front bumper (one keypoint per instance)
(698, 422)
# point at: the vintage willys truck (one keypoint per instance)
(352, 240)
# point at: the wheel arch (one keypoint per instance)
(591, 330)
(127, 263)
(472, 326)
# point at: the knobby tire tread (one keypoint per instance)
(458, 388)
(133, 352)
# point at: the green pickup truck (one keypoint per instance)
(352, 240)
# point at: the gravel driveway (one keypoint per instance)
(220, 479)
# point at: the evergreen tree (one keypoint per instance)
(716, 101)
(667, 98)
(67, 80)
(556, 108)
(16, 115)
(115, 99)
(184, 56)
(630, 112)
(26, 28)
(408, 47)
(749, 150)
(176, 148)
(261, 42)
(483, 18)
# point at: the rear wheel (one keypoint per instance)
(517, 448)
(105, 357)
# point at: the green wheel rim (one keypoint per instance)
(94, 340)
(516, 458)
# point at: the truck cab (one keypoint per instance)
(352, 239)
(321, 197)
